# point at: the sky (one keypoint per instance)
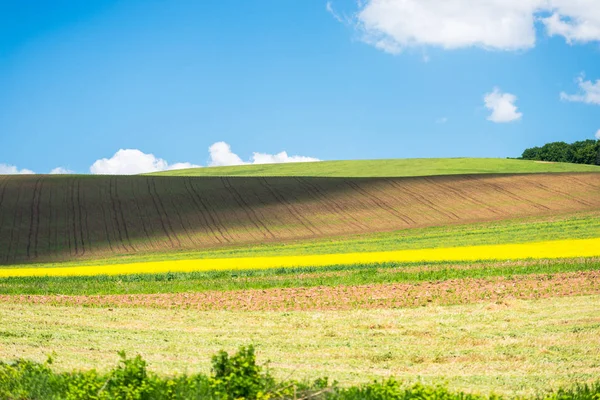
(113, 87)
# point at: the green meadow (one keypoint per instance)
(389, 168)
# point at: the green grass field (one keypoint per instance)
(388, 168)
(341, 275)
(517, 347)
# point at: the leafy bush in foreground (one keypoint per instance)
(233, 377)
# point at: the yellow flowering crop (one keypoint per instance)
(549, 249)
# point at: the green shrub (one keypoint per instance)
(25, 379)
(239, 377)
(391, 389)
(234, 376)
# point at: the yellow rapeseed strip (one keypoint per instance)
(549, 249)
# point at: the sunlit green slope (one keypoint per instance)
(389, 168)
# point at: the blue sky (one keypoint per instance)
(81, 80)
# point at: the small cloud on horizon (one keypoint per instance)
(134, 161)
(6, 169)
(598, 134)
(221, 155)
(60, 171)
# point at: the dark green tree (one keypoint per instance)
(582, 152)
(531, 154)
(556, 152)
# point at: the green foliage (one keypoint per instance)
(391, 389)
(238, 376)
(579, 392)
(25, 379)
(345, 275)
(582, 152)
(86, 385)
(233, 377)
(130, 380)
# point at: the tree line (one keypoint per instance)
(582, 152)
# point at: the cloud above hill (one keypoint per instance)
(393, 25)
(60, 171)
(221, 155)
(502, 106)
(134, 161)
(6, 169)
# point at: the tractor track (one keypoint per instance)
(291, 209)
(317, 193)
(34, 220)
(200, 211)
(460, 194)
(162, 214)
(380, 203)
(210, 214)
(247, 209)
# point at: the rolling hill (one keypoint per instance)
(61, 218)
(389, 168)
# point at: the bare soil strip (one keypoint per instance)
(379, 296)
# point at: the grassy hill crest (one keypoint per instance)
(402, 167)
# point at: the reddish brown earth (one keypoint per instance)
(59, 218)
(347, 297)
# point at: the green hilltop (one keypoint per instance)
(388, 168)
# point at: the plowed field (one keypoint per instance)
(58, 218)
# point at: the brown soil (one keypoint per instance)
(54, 218)
(347, 297)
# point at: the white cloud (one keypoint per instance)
(6, 169)
(598, 134)
(221, 155)
(589, 92)
(133, 161)
(60, 171)
(262, 158)
(575, 20)
(442, 120)
(502, 106)
(392, 25)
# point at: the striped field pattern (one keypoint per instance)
(62, 218)
(540, 250)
